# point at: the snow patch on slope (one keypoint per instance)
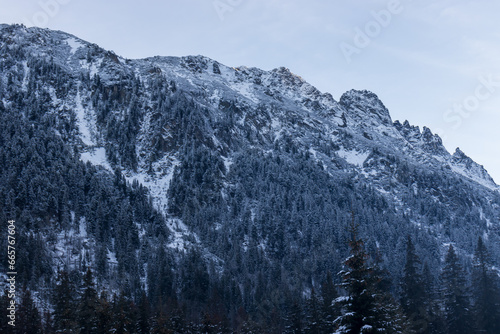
(474, 177)
(158, 182)
(83, 124)
(96, 156)
(73, 44)
(353, 157)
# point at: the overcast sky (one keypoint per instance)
(435, 63)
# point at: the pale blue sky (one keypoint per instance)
(435, 63)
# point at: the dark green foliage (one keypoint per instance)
(413, 294)
(314, 321)
(295, 319)
(328, 310)
(104, 315)
(456, 295)
(485, 292)
(28, 316)
(359, 307)
(88, 306)
(65, 305)
(366, 308)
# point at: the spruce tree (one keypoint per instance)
(366, 309)
(64, 305)
(359, 311)
(486, 293)
(294, 319)
(413, 295)
(434, 321)
(328, 295)
(28, 317)
(144, 314)
(104, 315)
(314, 316)
(88, 305)
(456, 295)
(122, 320)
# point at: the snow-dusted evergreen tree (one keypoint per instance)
(295, 319)
(314, 316)
(485, 291)
(456, 295)
(358, 309)
(365, 309)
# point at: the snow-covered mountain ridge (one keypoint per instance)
(241, 160)
(361, 111)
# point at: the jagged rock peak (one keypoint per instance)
(358, 102)
(428, 136)
(459, 155)
(286, 76)
(471, 169)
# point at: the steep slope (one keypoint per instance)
(252, 171)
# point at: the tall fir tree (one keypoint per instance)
(456, 295)
(294, 319)
(314, 316)
(88, 305)
(486, 292)
(434, 323)
(359, 311)
(328, 295)
(365, 309)
(64, 305)
(144, 314)
(122, 320)
(28, 316)
(413, 296)
(104, 315)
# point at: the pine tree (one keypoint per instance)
(144, 314)
(294, 319)
(64, 305)
(88, 305)
(434, 323)
(314, 316)
(48, 323)
(413, 295)
(122, 321)
(359, 311)
(328, 295)
(160, 323)
(366, 309)
(104, 315)
(486, 293)
(456, 295)
(29, 320)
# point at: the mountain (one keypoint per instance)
(183, 177)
